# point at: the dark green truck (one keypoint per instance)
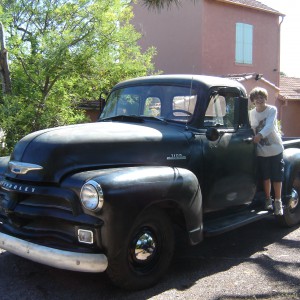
(167, 151)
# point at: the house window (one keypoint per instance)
(243, 43)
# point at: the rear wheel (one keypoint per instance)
(291, 211)
(146, 253)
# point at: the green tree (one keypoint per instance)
(63, 51)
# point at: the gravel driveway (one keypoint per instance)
(259, 261)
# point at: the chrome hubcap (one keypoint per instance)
(144, 247)
(294, 200)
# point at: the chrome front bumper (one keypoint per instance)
(67, 260)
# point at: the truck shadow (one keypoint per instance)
(247, 244)
(22, 279)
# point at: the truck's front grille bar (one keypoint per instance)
(47, 202)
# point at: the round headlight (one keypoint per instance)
(91, 195)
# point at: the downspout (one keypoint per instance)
(279, 42)
(281, 20)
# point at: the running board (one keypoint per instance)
(233, 221)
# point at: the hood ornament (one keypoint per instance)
(17, 167)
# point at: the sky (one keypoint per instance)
(290, 35)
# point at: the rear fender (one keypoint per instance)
(291, 169)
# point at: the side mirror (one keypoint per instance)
(102, 101)
(102, 104)
(212, 134)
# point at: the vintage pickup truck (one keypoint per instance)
(167, 151)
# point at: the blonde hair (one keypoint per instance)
(258, 92)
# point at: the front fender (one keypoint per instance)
(130, 190)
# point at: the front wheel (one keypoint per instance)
(146, 253)
(291, 211)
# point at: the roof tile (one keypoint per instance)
(253, 4)
(290, 88)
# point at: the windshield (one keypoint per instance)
(176, 103)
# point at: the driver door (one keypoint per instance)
(230, 159)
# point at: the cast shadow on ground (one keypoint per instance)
(212, 256)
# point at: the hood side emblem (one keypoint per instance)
(17, 167)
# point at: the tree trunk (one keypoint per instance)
(4, 70)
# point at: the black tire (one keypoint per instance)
(291, 210)
(146, 253)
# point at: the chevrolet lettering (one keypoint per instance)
(17, 187)
(167, 151)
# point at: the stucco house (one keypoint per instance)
(239, 39)
(213, 37)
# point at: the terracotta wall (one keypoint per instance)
(218, 53)
(199, 38)
(289, 112)
(176, 34)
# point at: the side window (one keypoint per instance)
(182, 108)
(183, 105)
(220, 112)
(152, 107)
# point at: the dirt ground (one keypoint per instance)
(258, 261)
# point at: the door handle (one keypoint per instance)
(248, 140)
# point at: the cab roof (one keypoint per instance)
(203, 80)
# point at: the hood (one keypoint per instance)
(64, 150)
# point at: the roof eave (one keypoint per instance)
(252, 7)
(252, 76)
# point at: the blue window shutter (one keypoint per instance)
(244, 43)
(248, 38)
(239, 49)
